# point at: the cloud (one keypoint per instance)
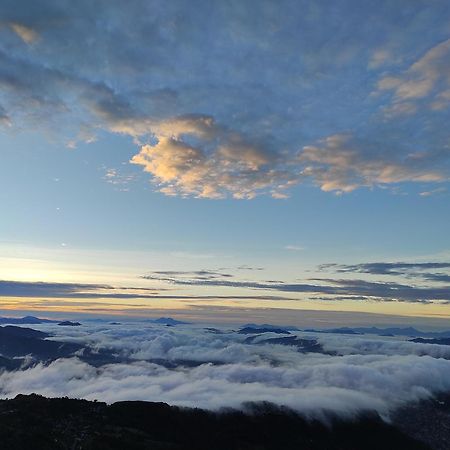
(28, 35)
(340, 163)
(386, 268)
(245, 267)
(32, 288)
(226, 116)
(411, 270)
(376, 373)
(48, 290)
(327, 288)
(203, 274)
(217, 163)
(294, 248)
(390, 291)
(360, 289)
(433, 192)
(118, 179)
(426, 82)
(379, 57)
(4, 118)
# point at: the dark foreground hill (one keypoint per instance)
(35, 422)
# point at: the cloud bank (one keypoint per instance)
(410, 270)
(344, 289)
(401, 286)
(220, 369)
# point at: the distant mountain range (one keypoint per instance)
(27, 320)
(393, 331)
(19, 345)
(17, 342)
(253, 328)
(263, 329)
(167, 321)
(68, 323)
(439, 341)
(269, 326)
(32, 320)
(302, 345)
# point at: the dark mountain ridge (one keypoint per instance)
(20, 342)
(254, 330)
(27, 320)
(32, 421)
(16, 343)
(438, 341)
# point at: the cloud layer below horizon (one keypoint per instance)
(215, 370)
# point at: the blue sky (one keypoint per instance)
(215, 135)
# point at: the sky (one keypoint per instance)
(226, 159)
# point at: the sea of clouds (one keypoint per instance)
(189, 365)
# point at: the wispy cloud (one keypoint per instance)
(196, 274)
(294, 248)
(412, 270)
(117, 178)
(27, 34)
(424, 83)
(71, 290)
(356, 288)
(97, 291)
(433, 192)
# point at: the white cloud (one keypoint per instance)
(294, 248)
(217, 163)
(433, 192)
(372, 373)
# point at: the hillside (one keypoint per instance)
(41, 423)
